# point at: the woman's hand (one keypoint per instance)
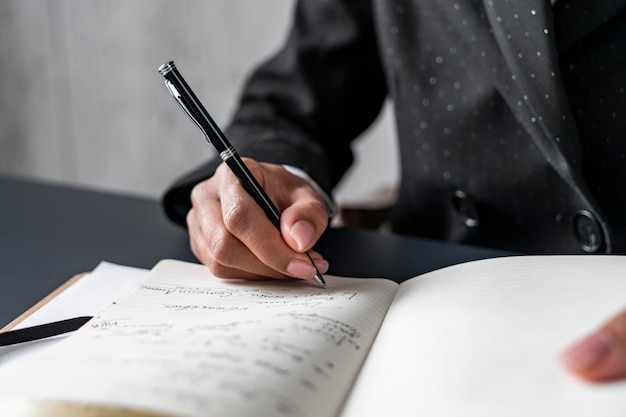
(232, 235)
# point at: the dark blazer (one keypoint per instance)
(510, 114)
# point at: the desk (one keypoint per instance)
(48, 233)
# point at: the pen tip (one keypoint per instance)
(320, 280)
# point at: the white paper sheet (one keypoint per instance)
(90, 294)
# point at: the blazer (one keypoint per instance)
(510, 115)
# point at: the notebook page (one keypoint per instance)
(483, 339)
(89, 294)
(86, 297)
(189, 344)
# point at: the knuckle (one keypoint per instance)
(190, 218)
(197, 193)
(198, 248)
(216, 253)
(217, 269)
(235, 216)
(194, 248)
(221, 246)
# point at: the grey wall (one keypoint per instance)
(81, 101)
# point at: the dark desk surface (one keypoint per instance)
(48, 233)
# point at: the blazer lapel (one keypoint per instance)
(525, 53)
(528, 78)
(512, 40)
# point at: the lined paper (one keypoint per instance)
(186, 343)
(483, 339)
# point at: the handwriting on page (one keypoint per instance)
(254, 296)
(196, 348)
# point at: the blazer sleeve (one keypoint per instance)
(305, 105)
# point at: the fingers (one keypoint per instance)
(600, 356)
(303, 222)
(233, 237)
(304, 215)
(225, 255)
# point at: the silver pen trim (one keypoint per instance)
(227, 153)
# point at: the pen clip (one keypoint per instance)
(179, 99)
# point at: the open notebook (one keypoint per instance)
(477, 339)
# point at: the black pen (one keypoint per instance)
(42, 331)
(190, 104)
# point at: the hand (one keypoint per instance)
(232, 235)
(602, 355)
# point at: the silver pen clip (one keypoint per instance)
(177, 96)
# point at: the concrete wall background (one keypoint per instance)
(81, 101)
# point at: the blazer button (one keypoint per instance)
(465, 208)
(587, 231)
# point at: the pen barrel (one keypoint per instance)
(191, 105)
(194, 108)
(252, 187)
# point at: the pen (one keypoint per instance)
(189, 103)
(42, 331)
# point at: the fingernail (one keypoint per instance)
(587, 353)
(301, 269)
(303, 233)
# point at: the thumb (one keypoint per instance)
(600, 356)
(303, 222)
